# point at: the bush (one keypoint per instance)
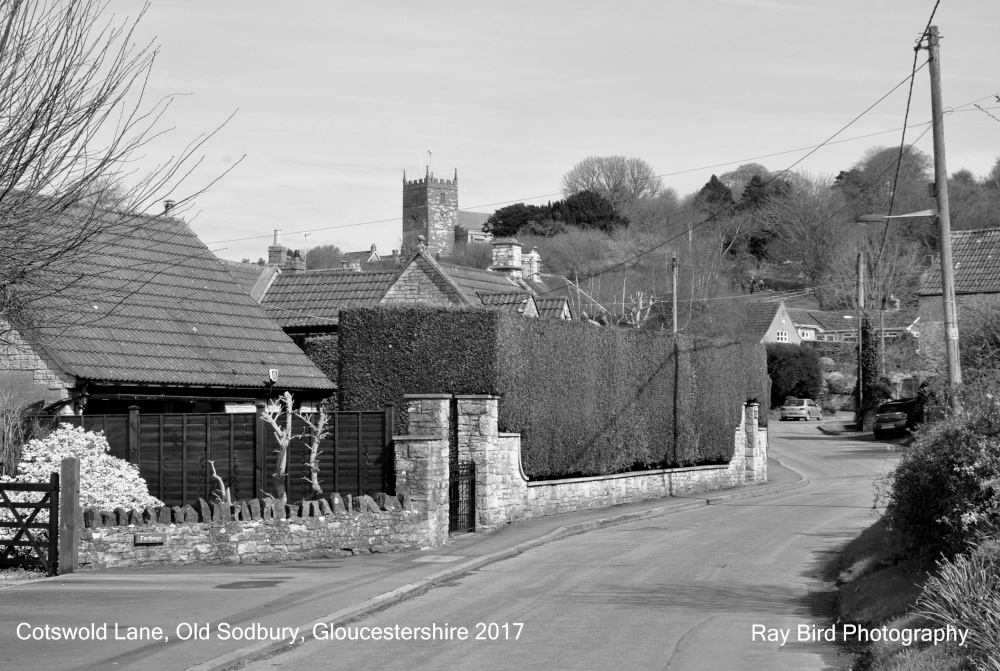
(945, 491)
(105, 481)
(794, 371)
(966, 594)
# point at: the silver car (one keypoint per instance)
(801, 408)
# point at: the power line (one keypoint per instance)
(773, 178)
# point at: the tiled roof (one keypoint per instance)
(758, 317)
(976, 260)
(515, 303)
(557, 286)
(361, 258)
(252, 278)
(161, 309)
(305, 298)
(829, 321)
(552, 308)
(472, 220)
(472, 281)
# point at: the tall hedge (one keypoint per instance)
(587, 400)
(386, 353)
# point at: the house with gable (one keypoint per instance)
(162, 325)
(768, 322)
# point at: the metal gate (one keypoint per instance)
(19, 545)
(462, 497)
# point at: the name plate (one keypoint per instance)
(150, 539)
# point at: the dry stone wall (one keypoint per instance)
(250, 532)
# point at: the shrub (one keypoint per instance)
(105, 481)
(794, 371)
(945, 491)
(966, 594)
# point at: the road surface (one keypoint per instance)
(702, 589)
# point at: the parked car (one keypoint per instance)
(896, 416)
(801, 408)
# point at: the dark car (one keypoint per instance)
(896, 417)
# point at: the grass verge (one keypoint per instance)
(876, 588)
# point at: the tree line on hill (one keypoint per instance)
(745, 230)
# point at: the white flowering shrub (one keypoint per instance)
(106, 482)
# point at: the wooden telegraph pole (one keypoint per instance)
(861, 317)
(944, 220)
(673, 271)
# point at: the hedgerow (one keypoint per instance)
(586, 400)
(945, 491)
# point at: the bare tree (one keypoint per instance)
(620, 179)
(318, 430)
(72, 121)
(279, 415)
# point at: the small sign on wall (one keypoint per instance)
(150, 539)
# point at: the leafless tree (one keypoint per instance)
(73, 122)
(318, 430)
(279, 415)
(621, 180)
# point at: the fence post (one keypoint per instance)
(69, 516)
(260, 456)
(388, 457)
(132, 440)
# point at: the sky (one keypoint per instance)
(331, 101)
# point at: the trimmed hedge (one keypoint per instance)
(586, 400)
(386, 353)
(322, 351)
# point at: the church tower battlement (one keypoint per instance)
(430, 209)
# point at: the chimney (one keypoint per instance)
(507, 257)
(343, 264)
(168, 206)
(530, 266)
(296, 262)
(373, 248)
(276, 253)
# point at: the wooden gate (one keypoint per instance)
(23, 543)
(462, 497)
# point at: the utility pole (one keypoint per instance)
(944, 221)
(673, 293)
(861, 317)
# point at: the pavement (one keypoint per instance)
(226, 614)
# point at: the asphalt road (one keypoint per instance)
(682, 592)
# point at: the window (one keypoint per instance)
(781, 336)
(805, 334)
(442, 199)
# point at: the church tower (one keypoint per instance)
(430, 209)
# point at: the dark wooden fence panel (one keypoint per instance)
(172, 452)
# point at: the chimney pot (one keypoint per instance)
(168, 205)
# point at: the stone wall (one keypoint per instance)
(30, 373)
(250, 532)
(417, 284)
(504, 494)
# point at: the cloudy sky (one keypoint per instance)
(334, 100)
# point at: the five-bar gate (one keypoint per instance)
(27, 538)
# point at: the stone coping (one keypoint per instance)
(403, 439)
(477, 397)
(433, 397)
(629, 474)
